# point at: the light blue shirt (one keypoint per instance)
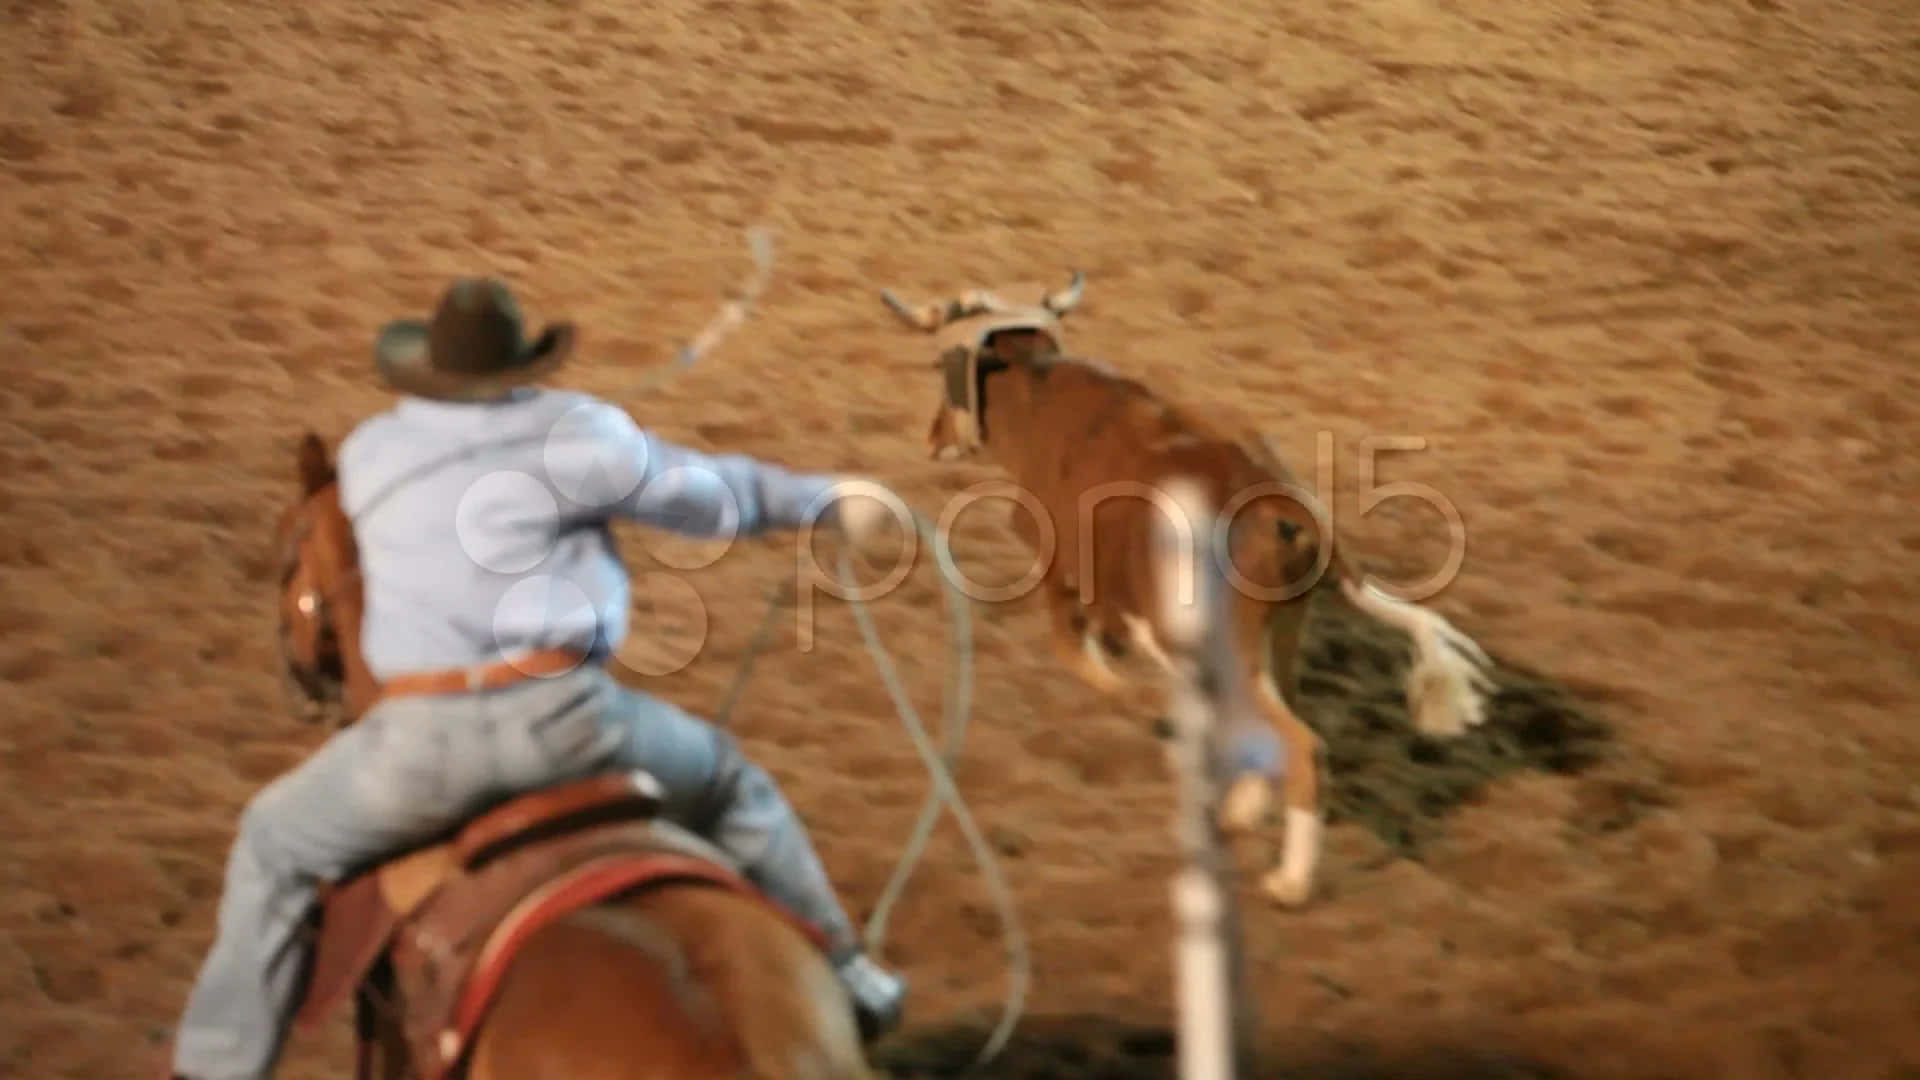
(483, 528)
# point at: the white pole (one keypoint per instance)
(1202, 895)
(1206, 1014)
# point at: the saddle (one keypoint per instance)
(448, 917)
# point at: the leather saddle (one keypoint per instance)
(448, 917)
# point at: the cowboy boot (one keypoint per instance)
(878, 994)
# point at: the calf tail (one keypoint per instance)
(1448, 684)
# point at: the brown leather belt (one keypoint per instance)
(494, 676)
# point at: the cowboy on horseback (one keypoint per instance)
(493, 592)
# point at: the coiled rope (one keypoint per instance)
(938, 761)
(956, 707)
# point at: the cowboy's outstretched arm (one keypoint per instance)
(643, 477)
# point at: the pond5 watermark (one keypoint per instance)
(675, 622)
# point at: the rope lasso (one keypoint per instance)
(1019, 961)
(734, 311)
(938, 762)
(956, 706)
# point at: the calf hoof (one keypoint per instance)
(1245, 804)
(1289, 892)
(1103, 682)
(1093, 671)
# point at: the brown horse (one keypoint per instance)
(566, 935)
(320, 600)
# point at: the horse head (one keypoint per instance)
(320, 601)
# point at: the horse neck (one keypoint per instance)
(350, 601)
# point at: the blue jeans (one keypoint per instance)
(414, 767)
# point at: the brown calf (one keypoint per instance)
(1094, 453)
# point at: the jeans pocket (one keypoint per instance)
(547, 731)
(566, 742)
(405, 780)
(573, 736)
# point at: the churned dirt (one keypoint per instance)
(1643, 274)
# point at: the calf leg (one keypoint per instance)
(1291, 883)
(1076, 640)
(1245, 802)
(1270, 641)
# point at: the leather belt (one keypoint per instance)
(480, 677)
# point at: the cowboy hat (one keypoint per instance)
(473, 348)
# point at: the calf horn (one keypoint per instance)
(924, 318)
(1064, 300)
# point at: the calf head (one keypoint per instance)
(976, 333)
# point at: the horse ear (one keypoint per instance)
(316, 471)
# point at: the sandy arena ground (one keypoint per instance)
(1641, 272)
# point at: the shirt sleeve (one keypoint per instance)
(610, 467)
